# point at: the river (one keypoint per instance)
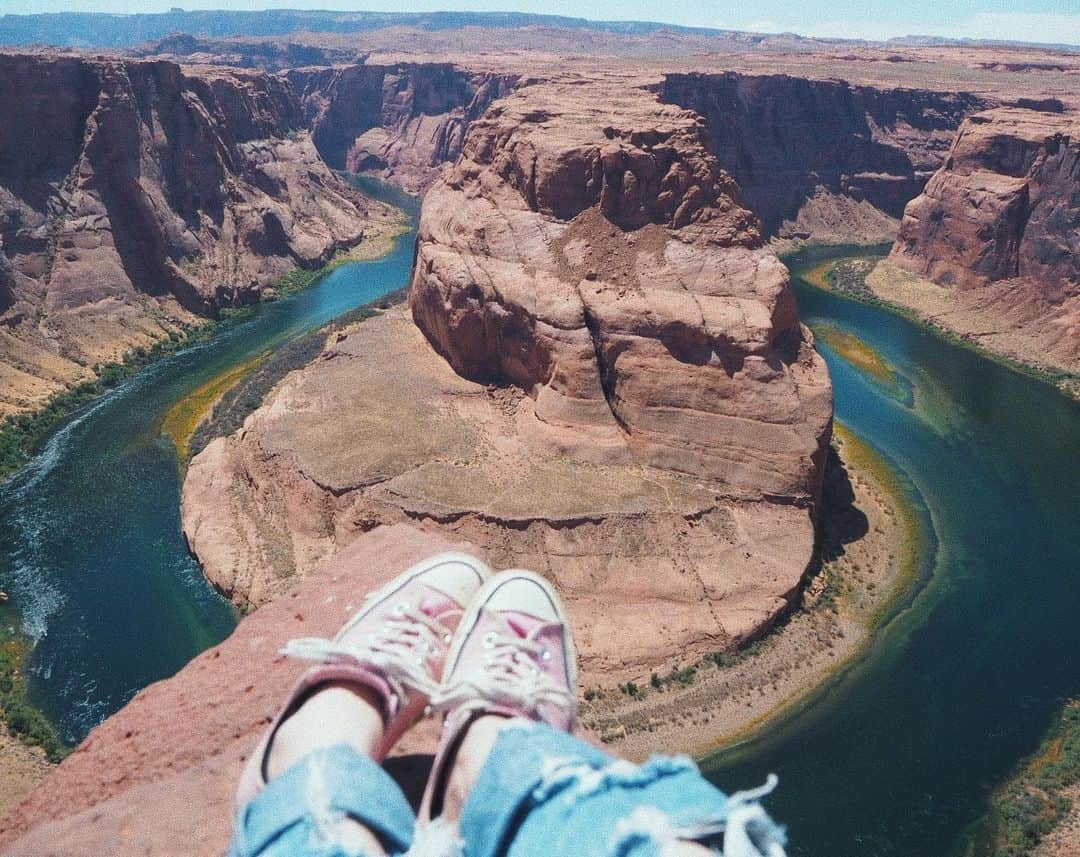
(91, 550)
(897, 755)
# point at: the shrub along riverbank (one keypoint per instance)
(22, 434)
(23, 720)
(1030, 805)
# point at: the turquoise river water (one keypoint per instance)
(91, 550)
(897, 755)
(894, 757)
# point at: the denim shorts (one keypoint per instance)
(541, 793)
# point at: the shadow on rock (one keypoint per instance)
(842, 522)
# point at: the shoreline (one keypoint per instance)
(184, 422)
(873, 280)
(712, 705)
(1036, 811)
(21, 434)
(27, 754)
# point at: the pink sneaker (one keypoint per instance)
(513, 655)
(395, 644)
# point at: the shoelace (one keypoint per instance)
(398, 651)
(510, 675)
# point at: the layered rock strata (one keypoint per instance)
(403, 121)
(134, 195)
(999, 227)
(625, 399)
(824, 159)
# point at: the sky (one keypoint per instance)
(1023, 20)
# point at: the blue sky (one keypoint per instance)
(1033, 20)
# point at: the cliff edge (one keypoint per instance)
(998, 227)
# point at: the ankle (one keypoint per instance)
(469, 761)
(336, 713)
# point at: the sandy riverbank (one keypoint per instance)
(21, 768)
(999, 319)
(870, 553)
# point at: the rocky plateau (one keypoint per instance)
(600, 372)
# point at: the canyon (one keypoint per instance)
(600, 372)
(136, 198)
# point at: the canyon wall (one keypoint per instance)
(136, 195)
(1005, 204)
(402, 121)
(998, 226)
(823, 160)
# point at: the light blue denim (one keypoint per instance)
(541, 793)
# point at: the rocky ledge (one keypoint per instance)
(158, 777)
(603, 377)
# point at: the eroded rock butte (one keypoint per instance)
(627, 401)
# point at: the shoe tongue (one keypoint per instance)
(522, 624)
(438, 605)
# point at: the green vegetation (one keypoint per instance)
(1029, 806)
(20, 434)
(23, 720)
(686, 676)
(724, 660)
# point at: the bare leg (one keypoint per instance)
(473, 752)
(336, 714)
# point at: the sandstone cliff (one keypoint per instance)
(403, 121)
(136, 194)
(627, 403)
(999, 226)
(824, 159)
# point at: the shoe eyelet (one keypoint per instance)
(545, 655)
(446, 638)
(489, 640)
(400, 608)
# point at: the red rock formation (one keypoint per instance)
(133, 192)
(632, 404)
(596, 256)
(1000, 224)
(791, 141)
(1005, 204)
(403, 121)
